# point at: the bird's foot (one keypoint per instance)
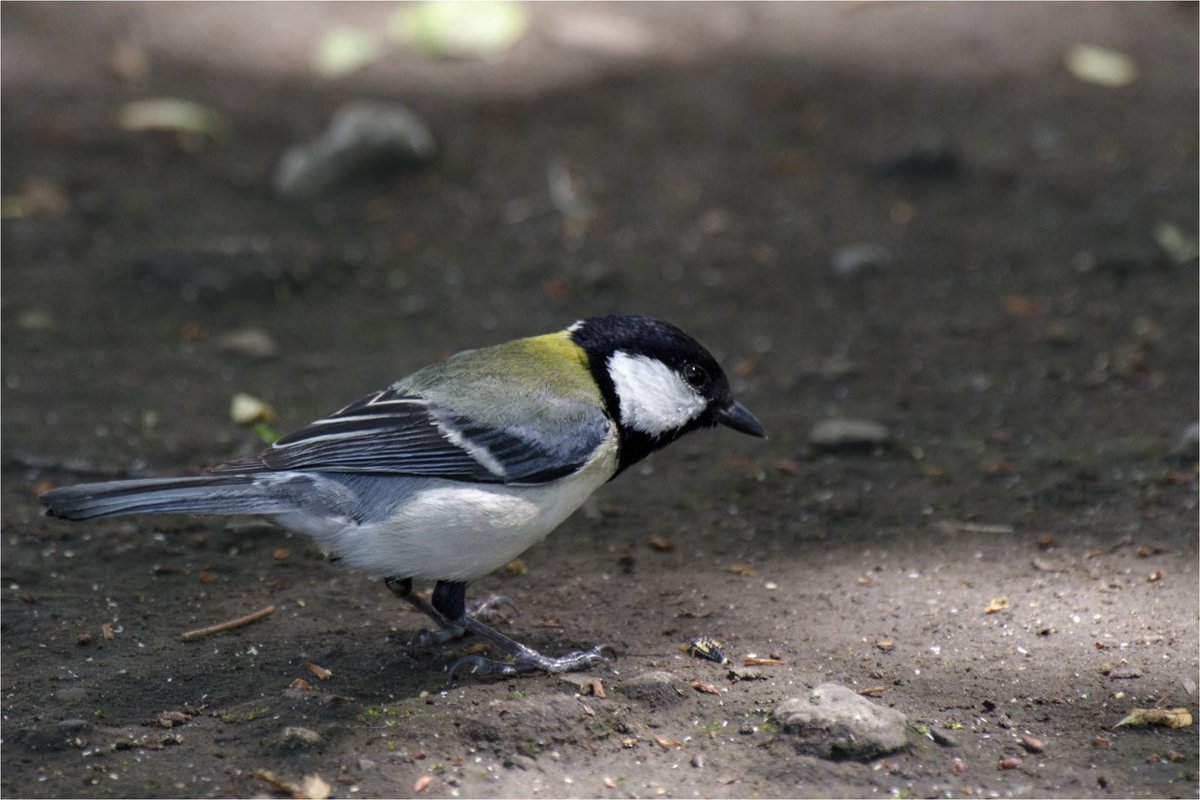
(524, 659)
(531, 661)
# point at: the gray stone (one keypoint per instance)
(361, 134)
(520, 762)
(296, 737)
(656, 689)
(848, 435)
(74, 726)
(835, 722)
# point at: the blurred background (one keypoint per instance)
(948, 253)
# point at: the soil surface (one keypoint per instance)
(911, 215)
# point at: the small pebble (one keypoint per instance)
(254, 344)
(848, 435)
(855, 260)
(1032, 743)
(295, 736)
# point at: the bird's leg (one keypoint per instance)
(445, 608)
(448, 609)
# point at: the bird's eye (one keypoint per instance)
(695, 375)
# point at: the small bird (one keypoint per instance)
(454, 471)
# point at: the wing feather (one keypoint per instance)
(399, 433)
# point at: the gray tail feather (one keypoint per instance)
(203, 494)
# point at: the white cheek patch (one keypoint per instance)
(654, 398)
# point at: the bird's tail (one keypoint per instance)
(203, 494)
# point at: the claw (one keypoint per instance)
(478, 665)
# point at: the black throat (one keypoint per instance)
(600, 342)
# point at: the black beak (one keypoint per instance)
(737, 416)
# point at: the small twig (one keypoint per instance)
(200, 633)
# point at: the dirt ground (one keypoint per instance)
(913, 215)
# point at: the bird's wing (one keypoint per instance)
(394, 432)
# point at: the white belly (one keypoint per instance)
(461, 531)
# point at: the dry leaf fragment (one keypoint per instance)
(301, 684)
(107, 630)
(516, 567)
(886, 645)
(1101, 742)
(609, 783)
(667, 744)
(1101, 66)
(345, 49)
(318, 670)
(171, 115)
(997, 604)
(466, 29)
(597, 686)
(1019, 305)
(207, 577)
(757, 661)
(707, 688)
(744, 570)
(281, 554)
(660, 544)
(1165, 717)
(1009, 762)
(873, 691)
(245, 409)
(1157, 575)
(629, 742)
(280, 785)
(422, 783)
(314, 787)
(1043, 565)
(1032, 743)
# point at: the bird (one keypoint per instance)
(454, 471)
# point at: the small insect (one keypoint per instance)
(706, 647)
